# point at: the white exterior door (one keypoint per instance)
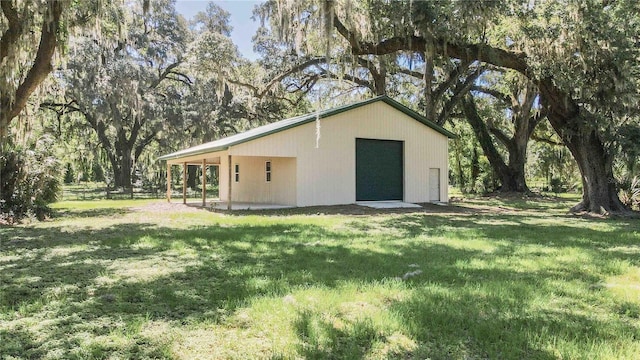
(434, 184)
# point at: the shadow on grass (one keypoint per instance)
(517, 231)
(322, 340)
(453, 312)
(471, 324)
(91, 213)
(59, 273)
(349, 209)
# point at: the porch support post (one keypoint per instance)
(184, 183)
(230, 182)
(204, 182)
(168, 182)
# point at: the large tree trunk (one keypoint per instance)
(12, 103)
(460, 174)
(580, 135)
(516, 174)
(512, 176)
(513, 180)
(599, 193)
(525, 124)
(121, 164)
(192, 177)
(121, 173)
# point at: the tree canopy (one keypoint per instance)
(520, 79)
(582, 57)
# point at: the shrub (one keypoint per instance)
(69, 175)
(557, 185)
(97, 173)
(30, 179)
(630, 192)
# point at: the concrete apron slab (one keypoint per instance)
(387, 204)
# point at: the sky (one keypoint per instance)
(241, 10)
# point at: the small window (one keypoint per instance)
(237, 172)
(267, 168)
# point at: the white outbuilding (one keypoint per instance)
(373, 150)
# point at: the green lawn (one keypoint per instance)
(487, 278)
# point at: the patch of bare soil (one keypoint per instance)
(168, 207)
(357, 210)
(456, 206)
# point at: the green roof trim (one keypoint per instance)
(265, 130)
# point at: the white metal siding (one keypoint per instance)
(253, 187)
(326, 173)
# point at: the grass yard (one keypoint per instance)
(488, 278)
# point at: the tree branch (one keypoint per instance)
(164, 74)
(493, 92)
(14, 28)
(546, 140)
(461, 89)
(260, 92)
(299, 67)
(482, 133)
(501, 136)
(366, 63)
(466, 52)
(61, 108)
(412, 73)
(530, 95)
(180, 77)
(379, 76)
(453, 77)
(350, 78)
(41, 65)
(143, 143)
(534, 120)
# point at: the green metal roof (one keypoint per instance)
(261, 131)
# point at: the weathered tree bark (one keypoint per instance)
(127, 149)
(11, 104)
(429, 100)
(460, 174)
(475, 169)
(567, 118)
(579, 133)
(512, 176)
(122, 165)
(192, 176)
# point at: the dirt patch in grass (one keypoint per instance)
(350, 209)
(356, 210)
(160, 207)
(456, 207)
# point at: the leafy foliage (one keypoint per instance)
(630, 193)
(471, 172)
(144, 81)
(30, 179)
(142, 68)
(582, 56)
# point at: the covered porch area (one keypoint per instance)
(244, 182)
(204, 163)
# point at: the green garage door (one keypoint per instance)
(379, 172)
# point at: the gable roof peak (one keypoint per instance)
(278, 126)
